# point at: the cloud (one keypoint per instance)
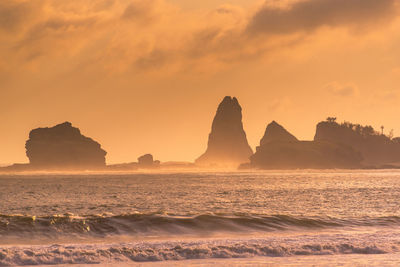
(140, 35)
(16, 14)
(54, 26)
(228, 9)
(142, 11)
(388, 95)
(155, 59)
(306, 16)
(342, 90)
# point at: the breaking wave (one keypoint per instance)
(161, 224)
(163, 251)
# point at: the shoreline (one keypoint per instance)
(4, 171)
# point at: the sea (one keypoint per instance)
(199, 218)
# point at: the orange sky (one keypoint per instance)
(146, 76)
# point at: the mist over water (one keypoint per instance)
(98, 218)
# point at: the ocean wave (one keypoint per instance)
(153, 224)
(164, 251)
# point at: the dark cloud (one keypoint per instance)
(108, 29)
(56, 28)
(203, 42)
(227, 9)
(140, 11)
(154, 59)
(14, 14)
(311, 14)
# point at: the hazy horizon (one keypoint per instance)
(200, 133)
(147, 76)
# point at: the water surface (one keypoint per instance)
(140, 217)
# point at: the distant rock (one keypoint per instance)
(281, 150)
(376, 148)
(63, 147)
(131, 166)
(305, 155)
(147, 161)
(227, 142)
(16, 167)
(276, 132)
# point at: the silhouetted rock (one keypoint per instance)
(131, 166)
(227, 142)
(63, 147)
(147, 161)
(376, 148)
(16, 167)
(276, 132)
(281, 150)
(305, 155)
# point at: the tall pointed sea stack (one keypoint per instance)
(63, 147)
(227, 142)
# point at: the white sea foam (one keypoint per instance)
(276, 246)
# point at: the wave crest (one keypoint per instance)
(150, 224)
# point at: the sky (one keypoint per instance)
(146, 76)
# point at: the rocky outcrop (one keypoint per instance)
(130, 166)
(376, 148)
(146, 161)
(305, 155)
(63, 147)
(281, 150)
(227, 142)
(276, 132)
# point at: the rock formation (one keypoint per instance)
(63, 147)
(227, 142)
(276, 132)
(130, 166)
(376, 148)
(281, 150)
(147, 161)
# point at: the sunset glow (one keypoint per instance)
(200, 133)
(144, 76)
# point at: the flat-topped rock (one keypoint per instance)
(377, 148)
